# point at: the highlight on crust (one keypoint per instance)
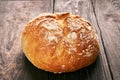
(60, 42)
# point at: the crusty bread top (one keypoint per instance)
(61, 38)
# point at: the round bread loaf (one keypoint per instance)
(60, 42)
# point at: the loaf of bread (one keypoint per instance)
(60, 42)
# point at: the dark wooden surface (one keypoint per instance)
(104, 15)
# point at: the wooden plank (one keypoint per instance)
(108, 17)
(13, 16)
(100, 69)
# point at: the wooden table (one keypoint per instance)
(104, 16)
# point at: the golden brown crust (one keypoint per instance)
(60, 42)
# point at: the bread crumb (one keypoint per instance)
(78, 44)
(89, 46)
(55, 72)
(69, 52)
(89, 28)
(62, 66)
(70, 45)
(88, 55)
(59, 72)
(78, 58)
(83, 51)
(86, 49)
(53, 47)
(92, 36)
(80, 53)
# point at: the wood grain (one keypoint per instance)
(108, 18)
(13, 16)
